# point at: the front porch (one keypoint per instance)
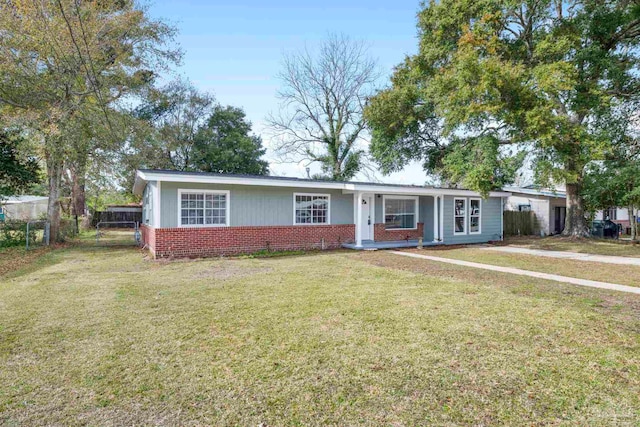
(397, 219)
(370, 245)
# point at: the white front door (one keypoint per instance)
(366, 220)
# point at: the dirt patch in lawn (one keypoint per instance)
(229, 270)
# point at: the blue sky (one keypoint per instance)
(234, 48)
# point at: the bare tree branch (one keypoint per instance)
(322, 100)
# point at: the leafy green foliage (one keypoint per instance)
(186, 129)
(224, 144)
(531, 75)
(14, 233)
(17, 172)
(66, 66)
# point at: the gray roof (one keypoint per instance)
(561, 194)
(22, 199)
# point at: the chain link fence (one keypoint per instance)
(118, 233)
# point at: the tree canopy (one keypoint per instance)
(187, 129)
(66, 65)
(224, 144)
(495, 78)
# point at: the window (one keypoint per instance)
(311, 208)
(524, 208)
(204, 208)
(400, 213)
(475, 206)
(460, 216)
(610, 214)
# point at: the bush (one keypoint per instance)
(14, 233)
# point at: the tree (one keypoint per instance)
(224, 144)
(615, 181)
(185, 129)
(504, 76)
(17, 171)
(322, 100)
(174, 113)
(64, 62)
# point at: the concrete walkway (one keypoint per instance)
(567, 255)
(546, 276)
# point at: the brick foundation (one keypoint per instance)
(148, 237)
(381, 234)
(216, 241)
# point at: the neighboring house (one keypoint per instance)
(24, 207)
(617, 215)
(550, 206)
(194, 214)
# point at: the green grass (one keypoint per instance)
(101, 336)
(610, 273)
(586, 246)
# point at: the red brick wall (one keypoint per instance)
(148, 237)
(381, 234)
(203, 241)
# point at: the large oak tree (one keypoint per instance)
(496, 77)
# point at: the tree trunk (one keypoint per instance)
(78, 178)
(633, 222)
(54, 177)
(575, 223)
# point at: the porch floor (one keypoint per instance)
(369, 245)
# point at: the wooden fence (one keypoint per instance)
(521, 224)
(116, 217)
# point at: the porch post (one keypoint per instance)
(436, 223)
(441, 219)
(357, 200)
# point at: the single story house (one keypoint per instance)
(199, 214)
(550, 206)
(24, 208)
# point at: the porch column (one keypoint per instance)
(357, 200)
(441, 228)
(436, 223)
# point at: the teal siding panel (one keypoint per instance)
(147, 209)
(491, 222)
(255, 205)
(379, 215)
(426, 217)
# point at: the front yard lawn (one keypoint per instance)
(105, 337)
(586, 246)
(610, 273)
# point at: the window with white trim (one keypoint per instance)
(311, 208)
(460, 216)
(475, 206)
(610, 214)
(400, 213)
(208, 208)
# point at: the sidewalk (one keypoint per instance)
(567, 255)
(537, 275)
